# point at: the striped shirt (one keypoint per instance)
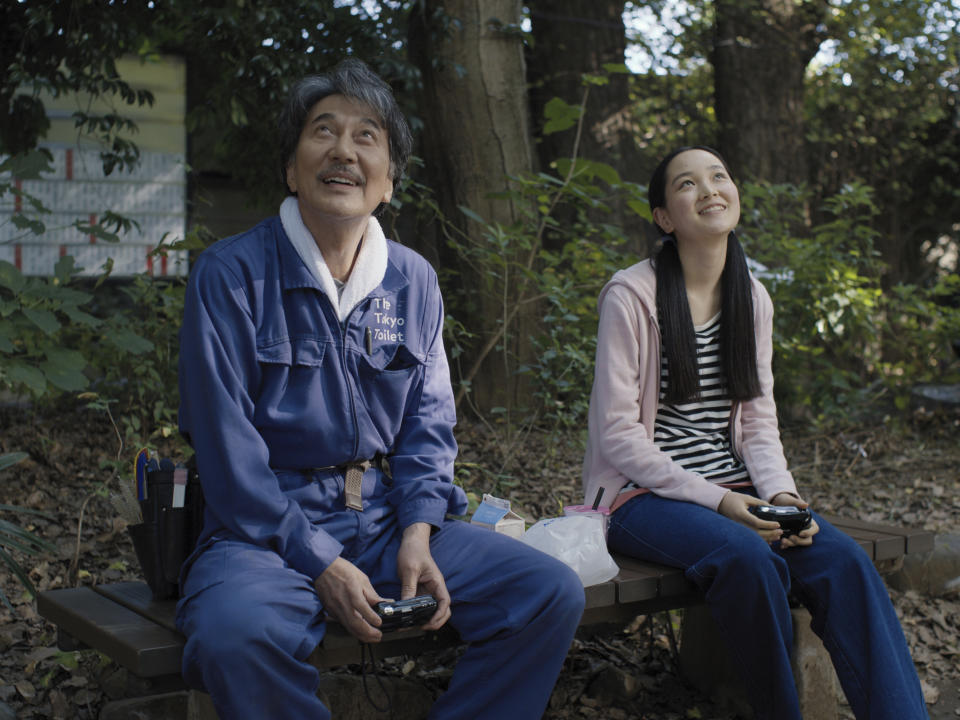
(696, 434)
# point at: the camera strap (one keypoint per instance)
(388, 707)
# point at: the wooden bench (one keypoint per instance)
(124, 622)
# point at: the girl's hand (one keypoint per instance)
(735, 506)
(806, 536)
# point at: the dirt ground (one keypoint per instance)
(909, 476)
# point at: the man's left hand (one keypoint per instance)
(419, 574)
(804, 537)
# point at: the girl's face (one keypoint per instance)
(701, 200)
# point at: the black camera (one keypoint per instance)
(791, 518)
(396, 614)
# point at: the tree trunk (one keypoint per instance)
(476, 133)
(571, 38)
(760, 55)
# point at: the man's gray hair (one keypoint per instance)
(352, 79)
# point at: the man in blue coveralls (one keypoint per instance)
(316, 393)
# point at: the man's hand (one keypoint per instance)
(419, 574)
(805, 537)
(735, 506)
(348, 597)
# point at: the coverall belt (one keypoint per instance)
(353, 477)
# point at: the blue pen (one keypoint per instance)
(140, 473)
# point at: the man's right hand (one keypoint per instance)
(348, 597)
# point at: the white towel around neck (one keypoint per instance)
(368, 270)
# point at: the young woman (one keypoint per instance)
(683, 440)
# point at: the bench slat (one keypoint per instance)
(865, 543)
(136, 643)
(601, 594)
(917, 540)
(339, 647)
(136, 596)
(644, 581)
(885, 547)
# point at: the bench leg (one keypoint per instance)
(705, 663)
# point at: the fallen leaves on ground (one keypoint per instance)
(908, 476)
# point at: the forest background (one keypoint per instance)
(839, 117)
(537, 125)
(534, 140)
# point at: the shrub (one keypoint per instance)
(841, 341)
(15, 538)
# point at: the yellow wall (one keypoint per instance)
(152, 193)
(161, 126)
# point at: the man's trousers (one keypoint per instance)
(251, 621)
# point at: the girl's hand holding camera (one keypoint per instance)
(737, 506)
(805, 536)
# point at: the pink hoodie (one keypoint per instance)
(623, 404)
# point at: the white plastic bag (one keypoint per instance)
(578, 541)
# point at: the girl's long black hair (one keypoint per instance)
(738, 346)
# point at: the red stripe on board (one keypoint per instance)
(69, 164)
(149, 263)
(18, 256)
(17, 200)
(163, 264)
(93, 221)
(63, 250)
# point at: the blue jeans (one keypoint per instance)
(251, 621)
(746, 583)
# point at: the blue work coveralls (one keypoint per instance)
(276, 396)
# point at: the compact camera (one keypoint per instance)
(396, 614)
(791, 518)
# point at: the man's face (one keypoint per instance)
(341, 167)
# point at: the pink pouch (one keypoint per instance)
(587, 510)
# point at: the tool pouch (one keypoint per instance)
(168, 534)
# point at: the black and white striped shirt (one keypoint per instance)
(696, 434)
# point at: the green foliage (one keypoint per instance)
(34, 316)
(118, 338)
(56, 47)
(568, 279)
(134, 356)
(883, 110)
(879, 108)
(15, 538)
(243, 57)
(921, 325)
(840, 341)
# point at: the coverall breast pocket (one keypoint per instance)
(388, 379)
(290, 371)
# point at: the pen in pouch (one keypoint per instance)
(140, 473)
(368, 339)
